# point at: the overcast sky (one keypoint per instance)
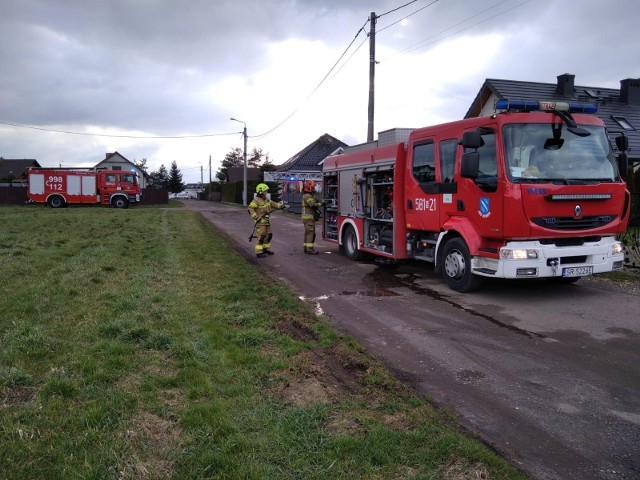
(110, 70)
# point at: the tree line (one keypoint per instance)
(171, 179)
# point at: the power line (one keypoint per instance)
(397, 8)
(424, 42)
(404, 18)
(116, 136)
(347, 61)
(317, 87)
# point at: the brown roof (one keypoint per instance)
(309, 158)
(11, 168)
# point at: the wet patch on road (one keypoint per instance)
(619, 331)
(385, 279)
(374, 292)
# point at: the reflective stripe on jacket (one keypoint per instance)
(308, 204)
(261, 208)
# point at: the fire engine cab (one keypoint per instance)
(60, 187)
(532, 191)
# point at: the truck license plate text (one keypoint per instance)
(577, 271)
(426, 204)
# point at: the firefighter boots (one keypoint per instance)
(310, 251)
(268, 252)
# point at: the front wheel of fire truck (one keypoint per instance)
(55, 201)
(456, 267)
(120, 202)
(350, 244)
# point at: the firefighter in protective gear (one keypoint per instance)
(310, 214)
(260, 209)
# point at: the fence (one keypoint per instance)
(18, 196)
(13, 195)
(154, 196)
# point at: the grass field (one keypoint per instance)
(135, 344)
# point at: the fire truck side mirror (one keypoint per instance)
(622, 142)
(470, 165)
(472, 139)
(623, 164)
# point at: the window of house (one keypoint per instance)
(591, 93)
(623, 122)
(424, 162)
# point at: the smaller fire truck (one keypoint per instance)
(61, 187)
(532, 191)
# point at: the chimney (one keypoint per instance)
(630, 91)
(565, 85)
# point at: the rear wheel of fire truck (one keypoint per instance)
(120, 202)
(456, 267)
(350, 244)
(56, 201)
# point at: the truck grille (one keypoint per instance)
(571, 223)
(569, 242)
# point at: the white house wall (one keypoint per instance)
(489, 107)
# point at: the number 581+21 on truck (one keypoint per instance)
(60, 187)
(532, 191)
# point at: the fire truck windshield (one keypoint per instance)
(129, 178)
(536, 153)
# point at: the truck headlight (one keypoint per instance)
(617, 248)
(518, 253)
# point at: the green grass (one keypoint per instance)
(136, 344)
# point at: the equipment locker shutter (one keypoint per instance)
(36, 184)
(73, 185)
(89, 185)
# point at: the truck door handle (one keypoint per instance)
(409, 205)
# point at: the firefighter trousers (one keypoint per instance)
(309, 232)
(264, 236)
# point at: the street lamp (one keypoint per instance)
(244, 176)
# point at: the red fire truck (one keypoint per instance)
(60, 187)
(532, 191)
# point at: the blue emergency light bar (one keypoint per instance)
(546, 106)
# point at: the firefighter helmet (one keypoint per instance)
(309, 186)
(262, 188)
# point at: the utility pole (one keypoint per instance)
(372, 74)
(210, 186)
(244, 172)
(244, 180)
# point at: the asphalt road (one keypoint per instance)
(547, 374)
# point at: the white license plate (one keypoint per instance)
(577, 271)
